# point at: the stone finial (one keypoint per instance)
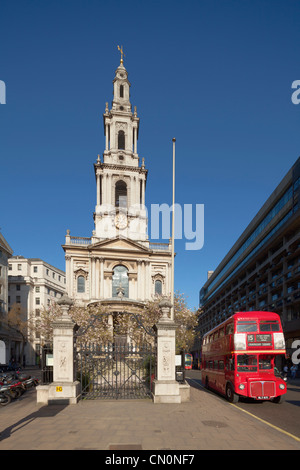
(165, 305)
(65, 301)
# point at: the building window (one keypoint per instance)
(18, 286)
(121, 194)
(121, 91)
(35, 269)
(121, 140)
(120, 282)
(80, 284)
(18, 299)
(158, 287)
(37, 289)
(37, 301)
(19, 267)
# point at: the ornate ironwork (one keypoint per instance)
(94, 318)
(116, 370)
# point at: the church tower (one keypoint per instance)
(121, 176)
(118, 266)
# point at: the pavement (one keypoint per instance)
(206, 422)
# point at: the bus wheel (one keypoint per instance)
(278, 399)
(230, 395)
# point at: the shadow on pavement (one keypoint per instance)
(48, 411)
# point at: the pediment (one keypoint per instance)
(121, 244)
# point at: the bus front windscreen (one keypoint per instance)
(247, 363)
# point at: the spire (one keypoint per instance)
(121, 92)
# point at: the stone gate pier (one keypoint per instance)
(166, 389)
(64, 388)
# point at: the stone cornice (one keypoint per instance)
(112, 166)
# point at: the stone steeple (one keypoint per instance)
(121, 177)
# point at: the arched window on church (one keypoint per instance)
(121, 194)
(121, 140)
(158, 287)
(120, 282)
(121, 91)
(80, 284)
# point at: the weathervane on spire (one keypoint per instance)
(122, 53)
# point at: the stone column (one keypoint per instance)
(64, 388)
(165, 386)
(98, 190)
(106, 136)
(135, 139)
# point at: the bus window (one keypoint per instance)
(221, 365)
(269, 325)
(245, 326)
(265, 363)
(229, 363)
(229, 329)
(247, 363)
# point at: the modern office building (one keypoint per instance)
(262, 269)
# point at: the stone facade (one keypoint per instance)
(118, 266)
(33, 285)
(5, 334)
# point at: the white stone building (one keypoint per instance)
(118, 266)
(33, 285)
(5, 253)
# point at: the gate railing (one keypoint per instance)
(116, 370)
(47, 364)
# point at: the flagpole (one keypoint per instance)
(173, 230)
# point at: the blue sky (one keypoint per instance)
(214, 74)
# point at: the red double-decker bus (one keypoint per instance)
(188, 361)
(238, 357)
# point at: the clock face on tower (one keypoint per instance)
(121, 221)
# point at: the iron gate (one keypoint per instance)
(116, 370)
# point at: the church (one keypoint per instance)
(117, 266)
